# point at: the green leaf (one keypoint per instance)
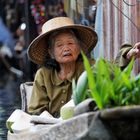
(74, 93)
(81, 87)
(91, 82)
(108, 85)
(127, 73)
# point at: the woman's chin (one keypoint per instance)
(67, 60)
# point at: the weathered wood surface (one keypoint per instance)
(110, 124)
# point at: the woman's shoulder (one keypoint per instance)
(80, 65)
(43, 70)
(91, 61)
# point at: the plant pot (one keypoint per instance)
(123, 122)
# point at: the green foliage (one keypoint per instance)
(107, 85)
(79, 91)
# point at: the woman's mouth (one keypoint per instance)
(66, 54)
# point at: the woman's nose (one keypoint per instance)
(66, 46)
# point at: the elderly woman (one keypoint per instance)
(57, 51)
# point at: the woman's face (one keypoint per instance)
(66, 48)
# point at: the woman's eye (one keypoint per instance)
(59, 45)
(70, 43)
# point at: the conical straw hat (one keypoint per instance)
(38, 49)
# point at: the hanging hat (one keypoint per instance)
(38, 49)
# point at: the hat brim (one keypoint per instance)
(38, 49)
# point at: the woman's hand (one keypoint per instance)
(134, 52)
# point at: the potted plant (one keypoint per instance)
(116, 94)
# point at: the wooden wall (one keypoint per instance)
(114, 27)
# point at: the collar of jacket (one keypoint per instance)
(57, 81)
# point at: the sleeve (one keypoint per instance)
(121, 60)
(39, 100)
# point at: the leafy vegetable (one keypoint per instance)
(107, 84)
(80, 89)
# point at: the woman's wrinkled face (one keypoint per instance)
(66, 48)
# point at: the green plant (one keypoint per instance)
(107, 85)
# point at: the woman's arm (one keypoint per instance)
(126, 53)
(134, 52)
(39, 99)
